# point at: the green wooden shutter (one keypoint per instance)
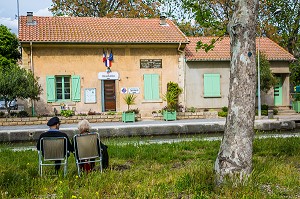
(151, 86)
(155, 87)
(212, 85)
(147, 87)
(76, 88)
(50, 86)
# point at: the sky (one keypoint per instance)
(9, 11)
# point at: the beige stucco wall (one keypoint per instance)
(194, 92)
(86, 61)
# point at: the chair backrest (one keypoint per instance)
(54, 148)
(87, 146)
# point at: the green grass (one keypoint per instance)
(175, 170)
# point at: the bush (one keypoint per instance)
(192, 109)
(225, 109)
(66, 113)
(264, 107)
(222, 114)
(2, 114)
(23, 114)
(275, 111)
(13, 114)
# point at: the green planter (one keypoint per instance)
(128, 117)
(296, 106)
(169, 115)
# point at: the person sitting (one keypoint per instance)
(54, 124)
(84, 127)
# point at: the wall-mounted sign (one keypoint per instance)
(150, 63)
(123, 90)
(134, 90)
(90, 95)
(108, 76)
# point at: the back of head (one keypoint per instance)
(84, 126)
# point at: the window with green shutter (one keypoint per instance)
(63, 88)
(151, 87)
(212, 85)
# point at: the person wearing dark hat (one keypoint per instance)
(53, 131)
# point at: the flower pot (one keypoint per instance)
(296, 106)
(128, 117)
(169, 115)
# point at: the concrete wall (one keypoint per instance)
(86, 61)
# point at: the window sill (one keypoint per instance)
(152, 101)
(213, 96)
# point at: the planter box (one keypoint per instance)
(167, 115)
(128, 117)
(296, 106)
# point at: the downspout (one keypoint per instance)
(32, 70)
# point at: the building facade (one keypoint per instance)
(90, 64)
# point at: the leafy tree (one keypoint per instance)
(267, 79)
(15, 82)
(295, 73)
(102, 8)
(9, 44)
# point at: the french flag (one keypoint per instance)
(104, 57)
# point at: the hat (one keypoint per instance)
(53, 121)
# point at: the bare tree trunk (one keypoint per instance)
(235, 154)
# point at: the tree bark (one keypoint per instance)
(235, 154)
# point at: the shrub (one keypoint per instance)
(222, 114)
(66, 113)
(23, 114)
(2, 114)
(13, 114)
(225, 109)
(264, 107)
(192, 109)
(275, 111)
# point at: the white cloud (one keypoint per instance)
(10, 23)
(43, 12)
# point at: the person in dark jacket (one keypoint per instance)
(84, 127)
(54, 124)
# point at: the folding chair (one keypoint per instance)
(53, 149)
(87, 150)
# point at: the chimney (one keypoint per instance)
(29, 17)
(30, 21)
(162, 20)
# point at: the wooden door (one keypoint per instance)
(109, 95)
(278, 93)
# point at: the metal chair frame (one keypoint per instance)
(87, 149)
(54, 148)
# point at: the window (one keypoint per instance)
(63, 88)
(151, 87)
(212, 85)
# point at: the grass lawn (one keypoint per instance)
(170, 170)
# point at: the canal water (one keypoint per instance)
(153, 140)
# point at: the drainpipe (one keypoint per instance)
(32, 69)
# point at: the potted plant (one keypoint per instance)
(171, 97)
(296, 103)
(129, 115)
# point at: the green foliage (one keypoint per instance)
(171, 96)
(267, 79)
(225, 109)
(191, 109)
(222, 114)
(2, 114)
(67, 113)
(170, 170)
(122, 8)
(295, 73)
(264, 107)
(296, 97)
(9, 53)
(23, 114)
(129, 100)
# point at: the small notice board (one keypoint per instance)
(90, 95)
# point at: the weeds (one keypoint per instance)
(174, 170)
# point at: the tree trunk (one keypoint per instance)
(235, 154)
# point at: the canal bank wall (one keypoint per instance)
(143, 128)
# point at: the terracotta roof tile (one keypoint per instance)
(221, 50)
(99, 30)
